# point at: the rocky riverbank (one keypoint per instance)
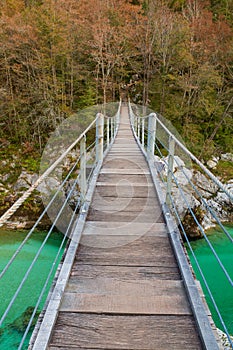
(29, 212)
(214, 197)
(197, 192)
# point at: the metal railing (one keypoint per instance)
(177, 168)
(78, 180)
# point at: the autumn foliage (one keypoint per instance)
(58, 56)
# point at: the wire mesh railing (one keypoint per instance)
(192, 206)
(70, 193)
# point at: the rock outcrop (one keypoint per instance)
(198, 194)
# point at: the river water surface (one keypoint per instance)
(14, 326)
(220, 287)
(20, 313)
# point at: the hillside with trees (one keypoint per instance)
(59, 56)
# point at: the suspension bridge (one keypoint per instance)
(125, 281)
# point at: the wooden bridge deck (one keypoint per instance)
(125, 290)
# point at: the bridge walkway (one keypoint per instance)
(125, 290)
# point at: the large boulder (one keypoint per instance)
(25, 181)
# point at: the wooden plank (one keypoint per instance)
(126, 184)
(121, 304)
(129, 288)
(124, 201)
(111, 240)
(126, 143)
(127, 152)
(124, 273)
(122, 163)
(122, 155)
(84, 331)
(125, 177)
(112, 171)
(146, 251)
(150, 216)
(125, 191)
(110, 295)
(121, 140)
(126, 228)
(125, 204)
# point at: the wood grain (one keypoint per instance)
(148, 251)
(84, 331)
(124, 273)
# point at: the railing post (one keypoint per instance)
(115, 125)
(135, 124)
(138, 131)
(132, 119)
(143, 131)
(83, 159)
(170, 168)
(108, 133)
(112, 129)
(99, 137)
(151, 135)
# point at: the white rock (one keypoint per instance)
(224, 340)
(215, 159)
(25, 180)
(21, 184)
(207, 222)
(227, 157)
(48, 185)
(184, 200)
(222, 198)
(183, 176)
(215, 205)
(177, 163)
(205, 186)
(211, 164)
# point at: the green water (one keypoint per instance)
(14, 325)
(220, 287)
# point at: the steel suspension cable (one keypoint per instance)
(37, 221)
(36, 257)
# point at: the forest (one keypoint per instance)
(59, 56)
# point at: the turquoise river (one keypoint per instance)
(14, 326)
(221, 289)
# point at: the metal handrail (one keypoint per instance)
(170, 181)
(83, 181)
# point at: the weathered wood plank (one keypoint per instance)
(123, 163)
(126, 184)
(154, 215)
(124, 171)
(125, 191)
(111, 240)
(146, 251)
(119, 203)
(126, 229)
(133, 159)
(84, 331)
(129, 289)
(121, 304)
(125, 273)
(101, 295)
